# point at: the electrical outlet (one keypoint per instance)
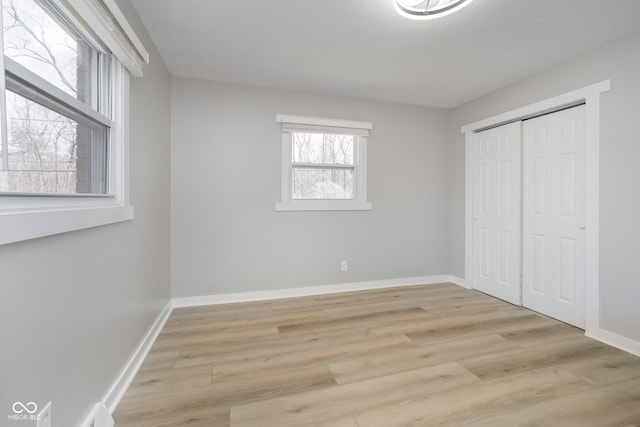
(344, 265)
(44, 417)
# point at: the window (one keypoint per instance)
(57, 130)
(324, 164)
(64, 101)
(322, 167)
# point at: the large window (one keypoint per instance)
(324, 164)
(64, 100)
(57, 130)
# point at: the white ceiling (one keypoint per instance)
(364, 49)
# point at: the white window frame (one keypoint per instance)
(338, 126)
(30, 216)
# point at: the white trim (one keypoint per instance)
(120, 385)
(37, 84)
(591, 96)
(359, 201)
(129, 32)
(468, 209)
(459, 281)
(615, 340)
(99, 416)
(549, 104)
(322, 205)
(19, 226)
(592, 210)
(285, 172)
(30, 217)
(308, 291)
(105, 19)
(320, 121)
(119, 142)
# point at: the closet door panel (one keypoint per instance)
(496, 212)
(553, 215)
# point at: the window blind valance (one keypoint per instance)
(102, 19)
(322, 125)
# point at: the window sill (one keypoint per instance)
(323, 205)
(16, 226)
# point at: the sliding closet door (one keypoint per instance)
(554, 215)
(496, 212)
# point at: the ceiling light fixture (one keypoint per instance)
(428, 9)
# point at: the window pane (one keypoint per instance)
(323, 148)
(42, 44)
(47, 152)
(323, 184)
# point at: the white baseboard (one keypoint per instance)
(460, 282)
(98, 417)
(313, 290)
(120, 385)
(615, 340)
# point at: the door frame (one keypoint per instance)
(590, 96)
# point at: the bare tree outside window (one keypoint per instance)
(47, 151)
(34, 39)
(323, 166)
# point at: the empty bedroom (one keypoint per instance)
(346, 213)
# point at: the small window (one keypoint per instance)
(324, 164)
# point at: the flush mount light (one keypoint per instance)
(428, 9)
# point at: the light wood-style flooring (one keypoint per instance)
(435, 355)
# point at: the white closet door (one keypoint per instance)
(554, 215)
(496, 212)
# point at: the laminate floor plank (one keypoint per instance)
(217, 397)
(369, 320)
(615, 406)
(320, 355)
(271, 319)
(611, 367)
(432, 355)
(462, 327)
(150, 382)
(347, 421)
(215, 336)
(211, 353)
(343, 400)
(159, 358)
(371, 366)
(526, 358)
(373, 308)
(423, 329)
(475, 401)
(531, 337)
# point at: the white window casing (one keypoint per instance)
(358, 129)
(104, 19)
(28, 216)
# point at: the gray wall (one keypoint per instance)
(76, 305)
(226, 236)
(619, 173)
